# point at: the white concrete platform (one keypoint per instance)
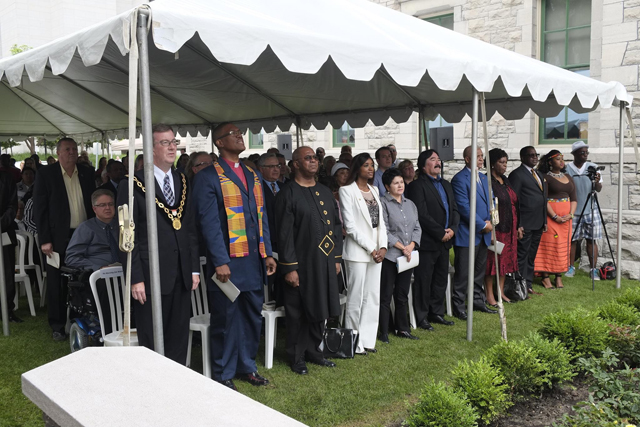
(134, 386)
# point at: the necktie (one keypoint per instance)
(166, 189)
(273, 188)
(113, 246)
(536, 178)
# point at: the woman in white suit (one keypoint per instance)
(363, 250)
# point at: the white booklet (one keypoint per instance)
(228, 288)
(499, 246)
(6, 240)
(54, 260)
(404, 265)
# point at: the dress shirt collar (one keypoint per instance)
(64, 173)
(115, 184)
(390, 198)
(529, 169)
(438, 179)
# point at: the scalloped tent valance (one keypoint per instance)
(273, 64)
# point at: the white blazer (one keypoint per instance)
(362, 238)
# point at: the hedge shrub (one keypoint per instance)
(630, 297)
(621, 314)
(582, 332)
(520, 367)
(441, 405)
(554, 357)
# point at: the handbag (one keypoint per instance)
(515, 287)
(339, 343)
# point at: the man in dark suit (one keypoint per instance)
(238, 250)
(177, 249)
(8, 209)
(115, 172)
(270, 170)
(461, 184)
(61, 202)
(439, 218)
(531, 189)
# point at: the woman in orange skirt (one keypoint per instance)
(555, 244)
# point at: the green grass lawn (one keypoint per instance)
(366, 391)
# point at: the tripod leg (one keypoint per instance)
(613, 258)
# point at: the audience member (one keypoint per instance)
(115, 173)
(273, 150)
(339, 178)
(102, 164)
(345, 158)
(181, 166)
(139, 163)
(320, 154)
(407, 170)
(403, 236)
(345, 149)
(365, 247)
(270, 170)
(384, 160)
(555, 243)
(36, 161)
(51, 160)
(197, 161)
(508, 229)
(284, 170)
(8, 209)
(28, 178)
(394, 155)
(29, 163)
(439, 219)
(461, 184)
(5, 165)
(324, 176)
(310, 235)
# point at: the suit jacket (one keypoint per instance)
(51, 204)
(212, 216)
(431, 212)
(270, 206)
(177, 249)
(532, 200)
(8, 206)
(461, 184)
(362, 238)
(109, 186)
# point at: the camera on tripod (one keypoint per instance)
(592, 171)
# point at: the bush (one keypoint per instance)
(630, 297)
(621, 314)
(626, 343)
(484, 387)
(582, 332)
(441, 405)
(554, 357)
(520, 367)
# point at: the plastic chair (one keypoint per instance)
(448, 291)
(32, 265)
(22, 276)
(200, 321)
(114, 281)
(43, 289)
(270, 313)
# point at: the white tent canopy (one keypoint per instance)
(267, 64)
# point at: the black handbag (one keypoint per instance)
(515, 287)
(339, 343)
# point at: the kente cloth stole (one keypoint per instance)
(238, 243)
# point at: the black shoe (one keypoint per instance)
(58, 336)
(483, 309)
(384, 338)
(15, 319)
(440, 320)
(405, 334)
(493, 305)
(253, 378)
(370, 350)
(300, 368)
(323, 362)
(425, 325)
(230, 384)
(364, 353)
(462, 315)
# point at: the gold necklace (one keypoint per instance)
(175, 220)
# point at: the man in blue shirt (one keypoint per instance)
(384, 160)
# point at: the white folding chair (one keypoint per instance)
(270, 313)
(115, 284)
(21, 276)
(200, 320)
(32, 265)
(43, 288)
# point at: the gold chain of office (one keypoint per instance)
(175, 219)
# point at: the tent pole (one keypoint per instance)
(147, 145)
(298, 132)
(3, 296)
(421, 135)
(620, 190)
(472, 215)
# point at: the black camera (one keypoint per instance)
(592, 171)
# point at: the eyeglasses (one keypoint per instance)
(278, 166)
(310, 157)
(533, 155)
(235, 133)
(203, 164)
(166, 142)
(104, 205)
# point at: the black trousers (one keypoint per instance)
(175, 321)
(303, 336)
(9, 257)
(430, 284)
(397, 285)
(459, 294)
(527, 250)
(57, 291)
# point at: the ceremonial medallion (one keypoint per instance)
(177, 225)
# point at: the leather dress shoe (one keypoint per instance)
(14, 319)
(300, 368)
(323, 362)
(230, 384)
(462, 315)
(384, 338)
(483, 309)
(440, 320)
(370, 350)
(425, 325)
(58, 336)
(363, 353)
(407, 335)
(253, 378)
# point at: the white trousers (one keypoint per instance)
(363, 301)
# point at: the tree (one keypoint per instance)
(31, 144)
(47, 143)
(15, 49)
(9, 144)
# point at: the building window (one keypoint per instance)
(566, 42)
(344, 136)
(255, 140)
(445, 21)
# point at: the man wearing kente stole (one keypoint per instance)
(229, 203)
(177, 248)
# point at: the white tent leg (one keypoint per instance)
(620, 188)
(147, 144)
(3, 297)
(472, 214)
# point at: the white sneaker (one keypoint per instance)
(594, 274)
(571, 272)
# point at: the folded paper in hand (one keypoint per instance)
(499, 246)
(6, 240)
(54, 260)
(404, 265)
(228, 288)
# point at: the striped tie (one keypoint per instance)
(166, 189)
